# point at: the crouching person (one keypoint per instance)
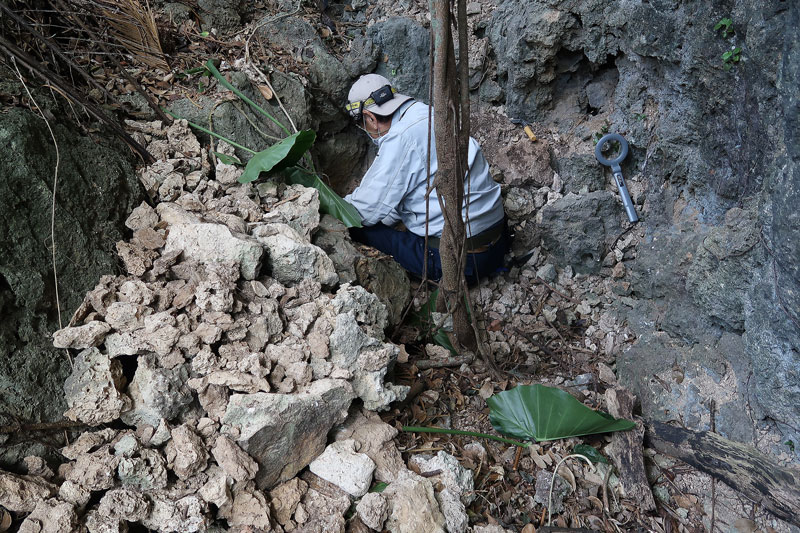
(393, 189)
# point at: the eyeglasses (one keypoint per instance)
(377, 97)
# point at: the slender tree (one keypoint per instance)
(451, 125)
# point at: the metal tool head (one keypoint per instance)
(623, 151)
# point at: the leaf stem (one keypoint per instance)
(413, 429)
(211, 68)
(206, 130)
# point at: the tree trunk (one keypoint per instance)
(451, 145)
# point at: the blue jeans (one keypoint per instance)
(408, 249)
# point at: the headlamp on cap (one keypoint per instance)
(376, 97)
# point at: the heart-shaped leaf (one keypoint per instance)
(279, 156)
(329, 202)
(546, 413)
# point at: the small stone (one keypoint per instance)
(373, 510)
(618, 271)
(342, 466)
(473, 8)
(547, 272)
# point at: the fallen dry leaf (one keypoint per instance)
(266, 92)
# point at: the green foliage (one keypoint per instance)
(379, 487)
(731, 57)
(790, 444)
(279, 156)
(726, 25)
(329, 202)
(603, 130)
(228, 159)
(590, 452)
(546, 413)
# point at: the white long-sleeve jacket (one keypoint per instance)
(393, 189)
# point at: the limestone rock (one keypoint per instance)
(51, 516)
(291, 427)
(93, 389)
(157, 393)
(234, 461)
(214, 243)
(373, 510)
(412, 505)
(560, 490)
(21, 494)
(186, 453)
(124, 504)
(376, 439)
(291, 259)
(457, 490)
(367, 360)
(186, 515)
(78, 337)
(343, 466)
(145, 472)
(285, 499)
(250, 509)
(142, 217)
(94, 471)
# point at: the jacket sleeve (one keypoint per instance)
(385, 184)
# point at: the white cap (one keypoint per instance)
(360, 95)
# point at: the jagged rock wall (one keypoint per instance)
(96, 191)
(712, 289)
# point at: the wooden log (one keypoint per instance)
(759, 477)
(625, 450)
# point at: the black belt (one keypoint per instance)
(483, 239)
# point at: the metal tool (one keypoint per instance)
(617, 170)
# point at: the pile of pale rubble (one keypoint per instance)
(220, 367)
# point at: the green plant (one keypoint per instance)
(731, 57)
(539, 413)
(590, 452)
(283, 156)
(545, 413)
(603, 130)
(726, 25)
(790, 444)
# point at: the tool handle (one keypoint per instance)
(630, 210)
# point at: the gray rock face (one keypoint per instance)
(291, 427)
(772, 314)
(577, 230)
(86, 227)
(406, 44)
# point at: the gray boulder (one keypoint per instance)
(290, 258)
(157, 393)
(285, 432)
(214, 243)
(93, 389)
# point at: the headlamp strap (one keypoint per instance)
(377, 97)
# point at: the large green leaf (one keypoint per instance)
(279, 156)
(329, 202)
(546, 413)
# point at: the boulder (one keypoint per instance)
(285, 432)
(214, 243)
(290, 258)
